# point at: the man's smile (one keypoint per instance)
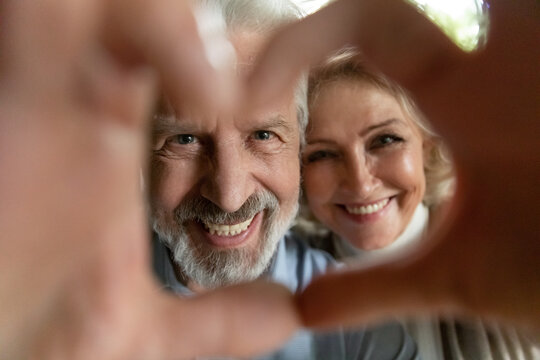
(227, 229)
(229, 235)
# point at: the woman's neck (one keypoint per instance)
(408, 239)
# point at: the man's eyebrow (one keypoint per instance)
(275, 122)
(167, 124)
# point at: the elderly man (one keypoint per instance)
(224, 191)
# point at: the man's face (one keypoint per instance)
(225, 189)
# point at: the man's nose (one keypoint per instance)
(360, 178)
(229, 182)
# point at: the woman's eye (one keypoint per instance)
(263, 135)
(184, 139)
(385, 140)
(319, 155)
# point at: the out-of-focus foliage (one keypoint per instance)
(464, 21)
(310, 6)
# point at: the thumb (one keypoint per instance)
(357, 296)
(243, 320)
(384, 31)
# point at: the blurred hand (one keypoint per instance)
(77, 83)
(484, 258)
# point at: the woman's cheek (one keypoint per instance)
(317, 183)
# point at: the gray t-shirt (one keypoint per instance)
(294, 265)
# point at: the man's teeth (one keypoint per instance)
(227, 230)
(369, 209)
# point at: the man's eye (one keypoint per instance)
(184, 139)
(320, 155)
(263, 135)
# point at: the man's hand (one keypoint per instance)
(484, 258)
(77, 85)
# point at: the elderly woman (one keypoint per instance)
(373, 169)
(375, 175)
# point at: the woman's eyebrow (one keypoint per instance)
(381, 125)
(320, 141)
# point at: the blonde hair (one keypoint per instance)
(347, 64)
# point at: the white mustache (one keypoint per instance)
(203, 210)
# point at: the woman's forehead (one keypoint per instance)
(346, 105)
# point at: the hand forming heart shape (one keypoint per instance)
(75, 92)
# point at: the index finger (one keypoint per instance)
(385, 31)
(243, 320)
(166, 35)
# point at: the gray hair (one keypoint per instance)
(264, 17)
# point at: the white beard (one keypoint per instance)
(212, 268)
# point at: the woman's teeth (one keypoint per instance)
(368, 209)
(227, 230)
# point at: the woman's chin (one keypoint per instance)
(369, 244)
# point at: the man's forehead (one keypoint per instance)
(248, 45)
(170, 123)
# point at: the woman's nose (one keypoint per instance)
(359, 178)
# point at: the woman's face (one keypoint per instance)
(363, 164)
